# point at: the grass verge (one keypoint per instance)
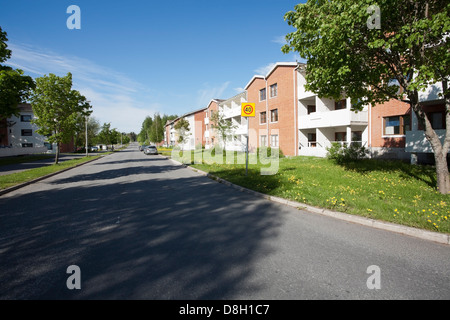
(13, 179)
(22, 159)
(391, 191)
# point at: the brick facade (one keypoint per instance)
(279, 106)
(378, 115)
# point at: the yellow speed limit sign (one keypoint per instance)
(248, 109)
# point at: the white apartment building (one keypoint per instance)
(434, 106)
(322, 121)
(21, 134)
(230, 109)
(193, 138)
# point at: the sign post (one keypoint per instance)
(247, 111)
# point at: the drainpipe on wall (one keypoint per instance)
(267, 114)
(295, 110)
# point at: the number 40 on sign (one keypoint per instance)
(248, 109)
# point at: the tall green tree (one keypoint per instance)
(362, 49)
(15, 87)
(93, 128)
(156, 132)
(105, 135)
(144, 134)
(152, 129)
(57, 107)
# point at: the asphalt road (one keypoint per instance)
(142, 227)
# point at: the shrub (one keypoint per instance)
(346, 153)
(217, 149)
(266, 152)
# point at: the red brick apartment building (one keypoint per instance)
(209, 132)
(274, 95)
(388, 124)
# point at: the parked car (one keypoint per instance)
(150, 150)
(141, 148)
(94, 149)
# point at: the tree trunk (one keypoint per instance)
(57, 153)
(440, 150)
(442, 174)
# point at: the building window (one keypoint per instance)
(273, 90)
(263, 141)
(357, 136)
(27, 145)
(437, 120)
(312, 140)
(311, 109)
(27, 132)
(397, 125)
(25, 118)
(274, 141)
(274, 115)
(262, 118)
(342, 104)
(407, 123)
(262, 94)
(340, 136)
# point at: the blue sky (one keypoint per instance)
(134, 58)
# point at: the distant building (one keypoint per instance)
(19, 136)
(210, 135)
(193, 138)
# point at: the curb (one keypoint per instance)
(377, 224)
(24, 184)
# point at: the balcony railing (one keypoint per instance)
(416, 141)
(335, 118)
(327, 144)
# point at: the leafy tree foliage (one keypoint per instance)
(15, 87)
(57, 107)
(182, 127)
(222, 126)
(405, 53)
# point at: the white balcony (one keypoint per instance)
(240, 130)
(231, 113)
(335, 118)
(416, 142)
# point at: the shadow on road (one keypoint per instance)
(186, 238)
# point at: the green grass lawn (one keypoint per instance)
(22, 159)
(13, 179)
(384, 190)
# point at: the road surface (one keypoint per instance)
(143, 227)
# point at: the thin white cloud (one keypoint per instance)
(265, 69)
(114, 96)
(281, 40)
(239, 90)
(206, 94)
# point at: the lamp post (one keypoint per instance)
(87, 150)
